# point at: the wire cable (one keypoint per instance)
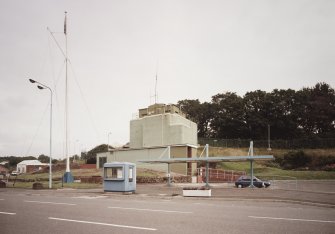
(84, 101)
(37, 130)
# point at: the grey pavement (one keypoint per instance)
(156, 208)
(227, 191)
(313, 192)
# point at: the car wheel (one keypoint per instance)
(263, 185)
(239, 186)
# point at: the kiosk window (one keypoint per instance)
(114, 173)
(130, 174)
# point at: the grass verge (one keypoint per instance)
(264, 171)
(55, 185)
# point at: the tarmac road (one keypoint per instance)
(92, 211)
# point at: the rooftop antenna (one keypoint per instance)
(156, 96)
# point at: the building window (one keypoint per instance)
(131, 175)
(114, 173)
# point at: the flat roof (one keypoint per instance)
(151, 147)
(210, 159)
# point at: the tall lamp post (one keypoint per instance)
(42, 86)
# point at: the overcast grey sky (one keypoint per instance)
(199, 48)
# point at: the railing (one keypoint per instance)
(308, 143)
(281, 182)
(217, 175)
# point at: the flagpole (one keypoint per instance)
(68, 178)
(66, 101)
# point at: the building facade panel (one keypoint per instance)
(162, 130)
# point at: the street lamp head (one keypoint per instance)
(40, 87)
(32, 81)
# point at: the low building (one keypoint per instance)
(3, 163)
(28, 166)
(158, 152)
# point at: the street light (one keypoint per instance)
(42, 86)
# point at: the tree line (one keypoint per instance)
(290, 114)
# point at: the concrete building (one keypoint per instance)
(134, 155)
(158, 127)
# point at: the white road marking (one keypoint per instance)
(166, 211)
(7, 213)
(289, 219)
(105, 224)
(54, 203)
(89, 197)
(159, 202)
(1, 199)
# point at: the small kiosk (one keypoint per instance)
(119, 177)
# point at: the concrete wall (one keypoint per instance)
(160, 108)
(162, 130)
(179, 152)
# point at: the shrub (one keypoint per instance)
(295, 159)
(322, 162)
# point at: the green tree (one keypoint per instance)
(316, 110)
(200, 113)
(43, 158)
(282, 116)
(308, 113)
(229, 116)
(257, 107)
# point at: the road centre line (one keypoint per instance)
(89, 197)
(289, 219)
(138, 209)
(104, 224)
(7, 213)
(151, 202)
(53, 203)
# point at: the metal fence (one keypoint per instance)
(280, 182)
(309, 143)
(217, 175)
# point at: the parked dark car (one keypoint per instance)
(244, 181)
